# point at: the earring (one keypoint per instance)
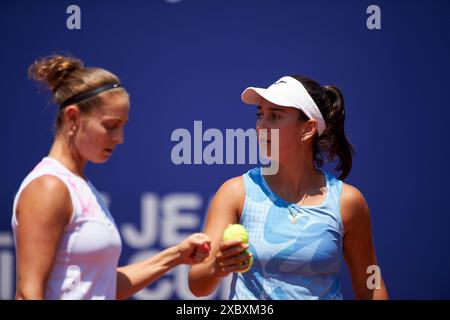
(72, 132)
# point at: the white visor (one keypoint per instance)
(287, 92)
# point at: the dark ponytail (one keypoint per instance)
(332, 142)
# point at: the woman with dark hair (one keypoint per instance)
(302, 221)
(67, 243)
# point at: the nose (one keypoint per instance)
(118, 137)
(263, 134)
(262, 124)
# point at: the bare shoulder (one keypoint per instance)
(45, 199)
(233, 186)
(232, 191)
(351, 196)
(228, 202)
(354, 208)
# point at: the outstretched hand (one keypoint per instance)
(195, 248)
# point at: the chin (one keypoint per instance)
(100, 160)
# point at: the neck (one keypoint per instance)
(62, 151)
(296, 175)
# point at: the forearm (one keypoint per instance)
(202, 280)
(134, 277)
(374, 294)
(30, 291)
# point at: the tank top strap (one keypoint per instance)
(334, 186)
(254, 183)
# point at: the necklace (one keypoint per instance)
(293, 217)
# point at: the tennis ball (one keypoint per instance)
(250, 263)
(237, 231)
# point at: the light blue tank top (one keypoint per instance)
(298, 260)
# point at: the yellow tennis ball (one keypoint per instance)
(235, 231)
(250, 263)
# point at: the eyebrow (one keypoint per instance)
(280, 109)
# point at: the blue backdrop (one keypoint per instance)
(190, 60)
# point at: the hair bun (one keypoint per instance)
(53, 69)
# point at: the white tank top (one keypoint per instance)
(89, 250)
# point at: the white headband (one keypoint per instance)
(287, 92)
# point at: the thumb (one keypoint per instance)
(205, 247)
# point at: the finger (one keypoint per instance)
(236, 260)
(234, 251)
(206, 246)
(242, 267)
(230, 243)
(200, 238)
(230, 269)
(198, 259)
(203, 247)
(201, 255)
(194, 252)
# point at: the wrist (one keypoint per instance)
(177, 254)
(214, 272)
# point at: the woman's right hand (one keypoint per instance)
(224, 256)
(231, 257)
